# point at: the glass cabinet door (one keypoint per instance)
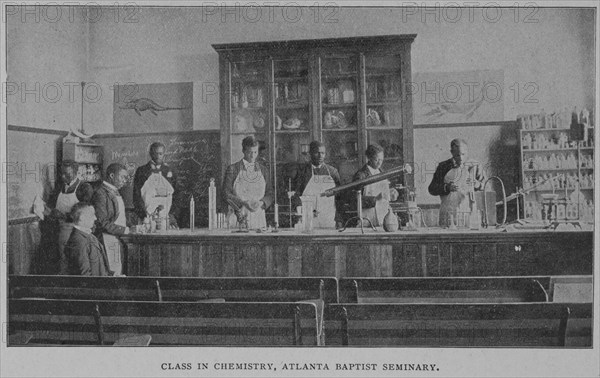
(249, 107)
(292, 126)
(339, 113)
(383, 107)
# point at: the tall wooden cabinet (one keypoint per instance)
(345, 92)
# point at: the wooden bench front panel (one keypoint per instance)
(56, 321)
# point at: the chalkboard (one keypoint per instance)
(195, 156)
(30, 168)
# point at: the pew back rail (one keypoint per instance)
(175, 289)
(444, 290)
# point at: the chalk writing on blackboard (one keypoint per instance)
(194, 155)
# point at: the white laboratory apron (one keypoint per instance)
(377, 213)
(325, 206)
(456, 203)
(112, 244)
(64, 204)
(250, 185)
(157, 190)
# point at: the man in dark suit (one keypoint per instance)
(143, 173)
(110, 213)
(85, 255)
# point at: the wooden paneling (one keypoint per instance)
(27, 250)
(368, 255)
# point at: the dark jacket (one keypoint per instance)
(139, 179)
(367, 201)
(84, 193)
(437, 186)
(105, 203)
(231, 174)
(86, 256)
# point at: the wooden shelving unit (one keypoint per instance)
(345, 92)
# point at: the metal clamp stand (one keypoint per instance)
(359, 214)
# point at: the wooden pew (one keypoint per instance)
(174, 289)
(58, 321)
(449, 325)
(40, 321)
(444, 290)
(575, 289)
(571, 289)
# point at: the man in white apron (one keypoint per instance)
(73, 191)
(154, 184)
(376, 197)
(110, 214)
(247, 189)
(314, 178)
(453, 180)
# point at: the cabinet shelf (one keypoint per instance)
(248, 79)
(391, 127)
(392, 102)
(353, 128)
(551, 169)
(315, 73)
(526, 150)
(337, 76)
(291, 106)
(343, 105)
(573, 149)
(246, 132)
(542, 130)
(555, 189)
(249, 108)
(296, 131)
(290, 79)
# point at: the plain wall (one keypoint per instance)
(552, 47)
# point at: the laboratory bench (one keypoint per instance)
(431, 252)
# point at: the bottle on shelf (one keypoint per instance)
(542, 119)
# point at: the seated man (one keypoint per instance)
(85, 255)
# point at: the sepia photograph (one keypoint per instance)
(299, 189)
